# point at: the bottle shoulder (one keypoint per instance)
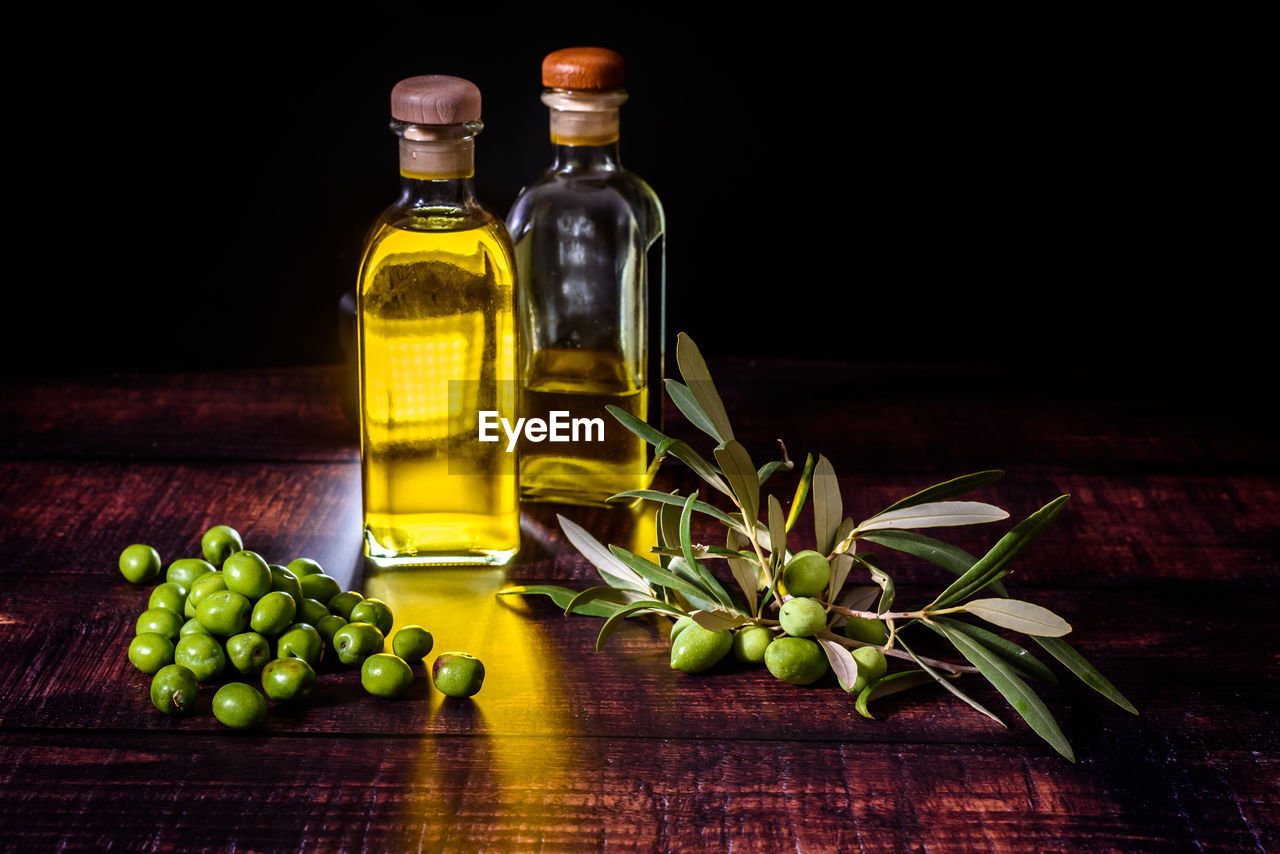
(392, 239)
(553, 194)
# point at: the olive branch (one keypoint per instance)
(681, 584)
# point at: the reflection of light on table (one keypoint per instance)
(493, 761)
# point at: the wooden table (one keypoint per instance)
(1166, 561)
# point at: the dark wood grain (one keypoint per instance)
(1167, 562)
(170, 792)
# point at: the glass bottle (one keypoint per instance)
(437, 347)
(590, 246)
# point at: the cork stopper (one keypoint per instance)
(435, 99)
(583, 69)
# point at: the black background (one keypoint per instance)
(191, 187)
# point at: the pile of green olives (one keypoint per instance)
(231, 618)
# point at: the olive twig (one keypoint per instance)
(827, 634)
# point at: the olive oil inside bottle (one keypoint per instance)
(595, 464)
(437, 346)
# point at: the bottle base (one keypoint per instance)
(380, 557)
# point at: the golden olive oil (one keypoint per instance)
(437, 346)
(600, 459)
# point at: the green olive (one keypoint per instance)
(248, 652)
(750, 643)
(373, 611)
(799, 661)
(871, 667)
(174, 690)
(802, 617)
(185, 571)
(219, 543)
(343, 603)
(385, 675)
(239, 706)
(288, 680)
(806, 574)
(202, 655)
(248, 574)
(328, 626)
(150, 651)
(412, 643)
(679, 626)
(311, 611)
(225, 613)
(696, 649)
(319, 586)
(286, 582)
(301, 566)
(867, 631)
(457, 674)
(210, 582)
(161, 621)
(168, 595)
(301, 641)
(192, 627)
(355, 642)
(273, 613)
(140, 564)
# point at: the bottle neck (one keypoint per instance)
(439, 194)
(584, 119)
(432, 153)
(584, 158)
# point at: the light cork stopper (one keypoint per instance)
(588, 69)
(435, 99)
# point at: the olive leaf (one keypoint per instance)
(945, 555)
(562, 596)
(955, 486)
(693, 369)
(766, 471)
(841, 565)
(828, 509)
(682, 569)
(718, 621)
(802, 491)
(886, 585)
(741, 474)
(677, 500)
(744, 571)
(843, 664)
(659, 576)
(856, 599)
(611, 624)
(892, 684)
(1018, 658)
(1024, 701)
(684, 400)
(687, 455)
(664, 444)
(777, 532)
(615, 572)
(1089, 675)
(667, 530)
(936, 515)
(946, 683)
(708, 581)
(612, 595)
(1019, 616)
(991, 566)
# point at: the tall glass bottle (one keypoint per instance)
(437, 347)
(590, 244)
